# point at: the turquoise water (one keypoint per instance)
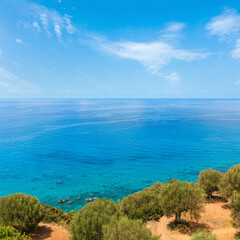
(60, 149)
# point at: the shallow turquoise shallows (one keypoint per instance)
(76, 149)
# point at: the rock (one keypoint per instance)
(88, 199)
(69, 202)
(61, 201)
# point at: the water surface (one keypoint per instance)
(60, 149)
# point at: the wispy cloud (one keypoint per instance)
(42, 19)
(237, 82)
(175, 26)
(19, 41)
(224, 25)
(11, 83)
(152, 55)
(236, 52)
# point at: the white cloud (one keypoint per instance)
(175, 26)
(48, 20)
(173, 78)
(237, 82)
(226, 24)
(13, 84)
(236, 52)
(19, 41)
(153, 55)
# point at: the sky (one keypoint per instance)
(119, 49)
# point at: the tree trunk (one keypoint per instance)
(178, 217)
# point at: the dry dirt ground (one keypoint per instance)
(46, 231)
(215, 218)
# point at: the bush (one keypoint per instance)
(230, 181)
(10, 233)
(235, 209)
(125, 229)
(178, 197)
(88, 222)
(203, 235)
(209, 181)
(143, 205)
(56, 215)
(20, 211)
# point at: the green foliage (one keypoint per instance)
(125, 229)
(56, 215)
(203, 235)
(230, 181)
(144, 205)
(178, 197)
(88, 222)
(10, 233)
(20, 211)
(209, 180)
(235, 209)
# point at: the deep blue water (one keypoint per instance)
(111, 148)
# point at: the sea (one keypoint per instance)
(74, 149)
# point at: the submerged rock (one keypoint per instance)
(88, 199)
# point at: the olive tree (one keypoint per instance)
(179, 197)
(235, 209)
(209, 180)
(230, 181)
(20, 211)
(88, 222)
(143, 205)
(127, 229)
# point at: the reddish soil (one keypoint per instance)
(215, 218)
(46, 231)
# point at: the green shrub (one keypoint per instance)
(230, 181)
(203, 235)
(20, 211)
(56, 215)
(178, 197)
(143, 205)
(88, 222)
(125, 229)
(209, 181)
(10, 233)
(235, 209)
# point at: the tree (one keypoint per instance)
(209, 180)
(203, 235)
(88, 222)
(127, 229)
(178, 197)
(10, 233)
(20, 211)
(143, 205)
(235, 209)
(230, 181)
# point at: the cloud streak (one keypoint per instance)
(13, 84)
(152, 55)
(224, 25)
(42, 19)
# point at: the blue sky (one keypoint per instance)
(119, 49)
